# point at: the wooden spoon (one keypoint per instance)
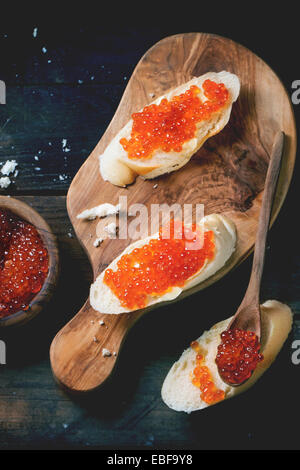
(247, 317)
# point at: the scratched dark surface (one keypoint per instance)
(70, 90)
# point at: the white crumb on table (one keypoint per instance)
(64, 146)
(4, 182)
(101, 322)
(35, 31)
(106, 352)
(9, 167)
(155, 186)
(103, 210)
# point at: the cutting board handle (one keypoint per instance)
(77, 352)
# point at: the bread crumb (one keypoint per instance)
(101, 322)
(97, 242)
(95, 339)
(111, 229)
(115, 353)
(103, 210)
(106, 352)
(9, 167)
(64, 146)
(155, 186)
(4, 182)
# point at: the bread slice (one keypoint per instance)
(104, 300)
(180, 394)
(116, 167)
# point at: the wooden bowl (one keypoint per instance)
(26, 212)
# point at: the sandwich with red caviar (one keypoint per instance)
(163, 136)
(194, 381)
(161, 266)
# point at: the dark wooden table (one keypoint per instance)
(66, 83)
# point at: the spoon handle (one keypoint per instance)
(253, 290)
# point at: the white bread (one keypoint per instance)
(180, 394)
(103, 210)
(116, 167)
(104, 300)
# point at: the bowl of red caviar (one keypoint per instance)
(29, 262)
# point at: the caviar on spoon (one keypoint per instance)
(239, 351)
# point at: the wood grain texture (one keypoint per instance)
(227, 175)
(37, 304)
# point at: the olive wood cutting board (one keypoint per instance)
(227, 175)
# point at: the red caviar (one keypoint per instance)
(202, 379)
(238, 355)
(161, 264)
(24, 263)
(169, 124)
